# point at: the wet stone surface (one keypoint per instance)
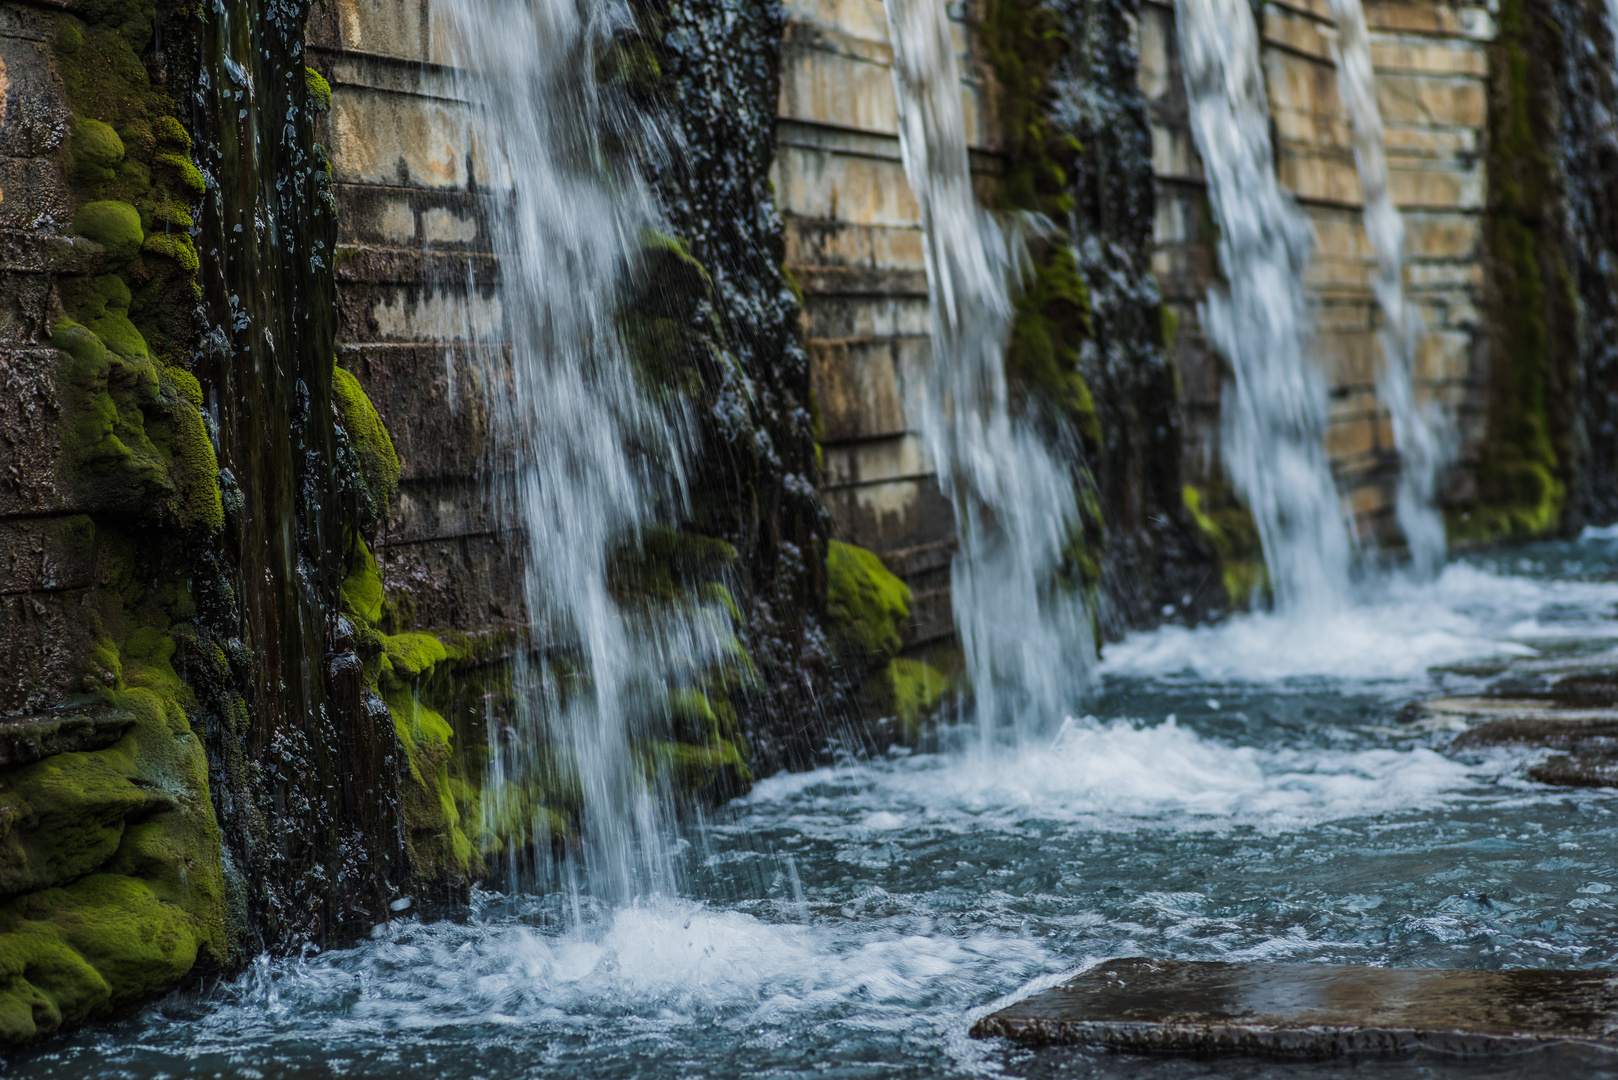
(1312, 1010)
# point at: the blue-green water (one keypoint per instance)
(1238, 792)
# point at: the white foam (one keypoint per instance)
(662, 964)
(1397, 632)
(1114, 775)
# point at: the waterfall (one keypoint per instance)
(1419, 431)
(1026, 635)
(1275, 405)
(589, 460)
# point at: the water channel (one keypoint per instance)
(1245, 791)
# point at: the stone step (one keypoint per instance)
(1312, 1010)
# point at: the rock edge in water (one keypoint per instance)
(1312, 1010)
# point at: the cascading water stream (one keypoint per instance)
(1419, 430)
(592, 461)
(1026, 636)
(1275, 406)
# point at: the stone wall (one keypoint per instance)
(419, 320)
(854, 244)
(1431, 71)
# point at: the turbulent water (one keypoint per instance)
(1420, 430)
(1026, 637)
(1240, 792)
(586, 461)
(1273, 414)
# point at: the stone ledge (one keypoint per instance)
(372, 265)
(25, 739)
(1312, 1011)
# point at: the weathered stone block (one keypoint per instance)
(434, 401)
(858, 384)
(463, 583)
(867, 191)
(1415, 56)
(388, 138)
(867, 461)
(1431, 99)
(834, 78)
(46, 554)
(866, 316)
(43, 640)
(894, 514)
(30, 431)
(416, 313)
(815, 242)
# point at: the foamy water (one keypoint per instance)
(855, 920)
(1396, 632)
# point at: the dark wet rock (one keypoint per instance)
(1578, 770)
(1315, 1011)
(24, 739)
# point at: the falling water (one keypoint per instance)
(1274, 409)
(1025, 634)
(594, 462)
(1419, 431)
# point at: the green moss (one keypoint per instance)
(319, 89)
(378, 461)
(112, 857)
(199, 502)
(167, 131)
(97, 150)
(917, 690)
(112, 224)
(1052, 319)
(184, 171)
(705, 774)
(176, 246)
(362, 587)
(102, 305)
(1230, 531)
(866, 603)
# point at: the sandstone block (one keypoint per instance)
(1417, 56)
(1431, 99)
(867, 191)
(869, 461)
(858, 386)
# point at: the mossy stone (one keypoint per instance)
(867, 604)
(112, 224)
(96, 146)
(319, 89)
(917, 688)
(373, 447)
(176, 246)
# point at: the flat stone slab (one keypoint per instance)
(1312, 1010)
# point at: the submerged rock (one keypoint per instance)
(1314, 1010)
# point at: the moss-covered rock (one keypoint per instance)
(918, 689)
(319, 90)
(112, 224)
(1229, 529)
(868, 606)
(369, 439)
(113, 885)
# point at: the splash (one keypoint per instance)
(590, 461)
(1274, 409)
(1025, 633)
(1420, 431)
